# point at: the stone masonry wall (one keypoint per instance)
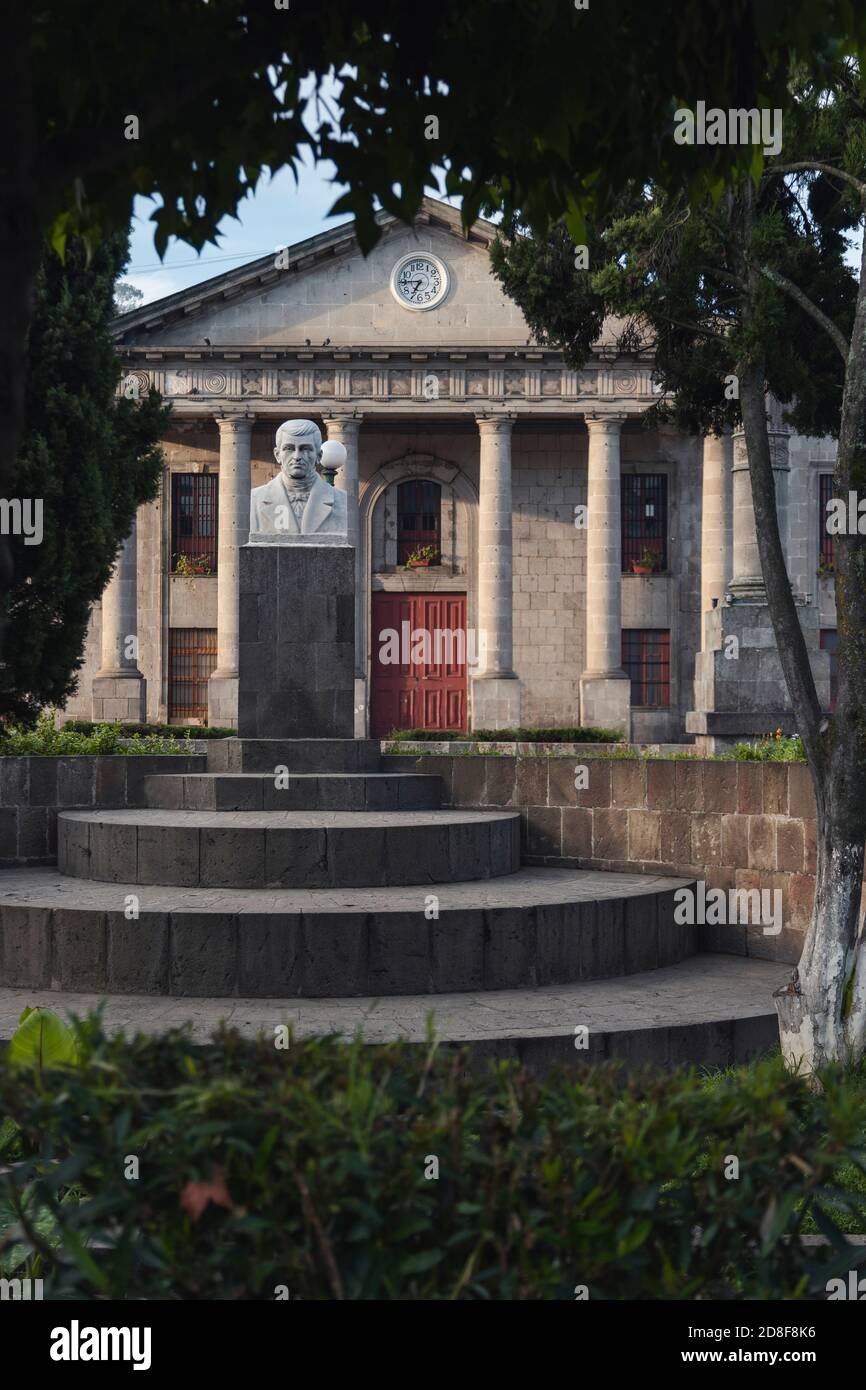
(33, 790)
(734, 825)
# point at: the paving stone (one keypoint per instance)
(509, 948)
(138, 954)
(335, 954)
(73, 846)
(79, 954)
(296, 858)
(114, 854)
(231, 858)
(168, 854)
(14, 781)
(271, 954)
(398, 956)
(203, 954)
(25, 946)
(110, 785)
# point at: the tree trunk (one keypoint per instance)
(822, 1011)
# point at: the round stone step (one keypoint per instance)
(710, 1010)
(294, 791)
(533, 928)
(287, 849)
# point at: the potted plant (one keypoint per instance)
(422, 557)
(646, 562)
(191, 566)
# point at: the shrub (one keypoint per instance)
(304, 1168)
(774, 748)
(46, 741)
(89, 726)
(573, 735)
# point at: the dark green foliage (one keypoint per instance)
(580, 101)
(677, 270)
(181, 731)
(314, 1159)
(91, 457)
(578, 734)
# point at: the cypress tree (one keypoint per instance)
(90, 457)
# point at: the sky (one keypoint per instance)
(277, 214)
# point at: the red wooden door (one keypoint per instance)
(419, 656)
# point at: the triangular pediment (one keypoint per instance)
(325, 289)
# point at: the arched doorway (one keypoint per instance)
(418, 522)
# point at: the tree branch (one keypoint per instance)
(794, 292)
(806, 165)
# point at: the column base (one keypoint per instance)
(222, 699)
(360, 707)
(119, 697)
(605, 702)
(495, 702)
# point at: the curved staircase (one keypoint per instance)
(295, 881)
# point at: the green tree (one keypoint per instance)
(537, 103)
(754, 285)
(88, 459)
(126, 297)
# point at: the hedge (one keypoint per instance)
(88, 726)
(577, 734)
(309, 1172)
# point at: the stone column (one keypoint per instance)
(715, 523)
(495, 688)
(234, 531)
(345, 429)
(747, 581)
(605, 691)
(740, 691)
(118, 690)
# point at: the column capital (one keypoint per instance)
(502, 420)
(604, 423)
(235, 424)
(347, 421)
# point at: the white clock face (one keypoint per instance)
(419, 282)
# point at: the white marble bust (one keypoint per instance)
(297, 505)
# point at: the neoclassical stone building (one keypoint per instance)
(597, 569)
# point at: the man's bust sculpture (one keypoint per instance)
(297, 503)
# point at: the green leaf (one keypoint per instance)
(41, 1040)
(424, 1260)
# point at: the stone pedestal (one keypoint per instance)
(740, 690)
(297, 647)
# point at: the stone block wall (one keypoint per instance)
(33, 790)
(734, 825)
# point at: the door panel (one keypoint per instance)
(421, 682)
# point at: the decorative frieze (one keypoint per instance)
(328, 381)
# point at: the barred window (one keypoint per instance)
(646, 659)
(194, 521)
(192, 655)
(419, 517)
(644, 518)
